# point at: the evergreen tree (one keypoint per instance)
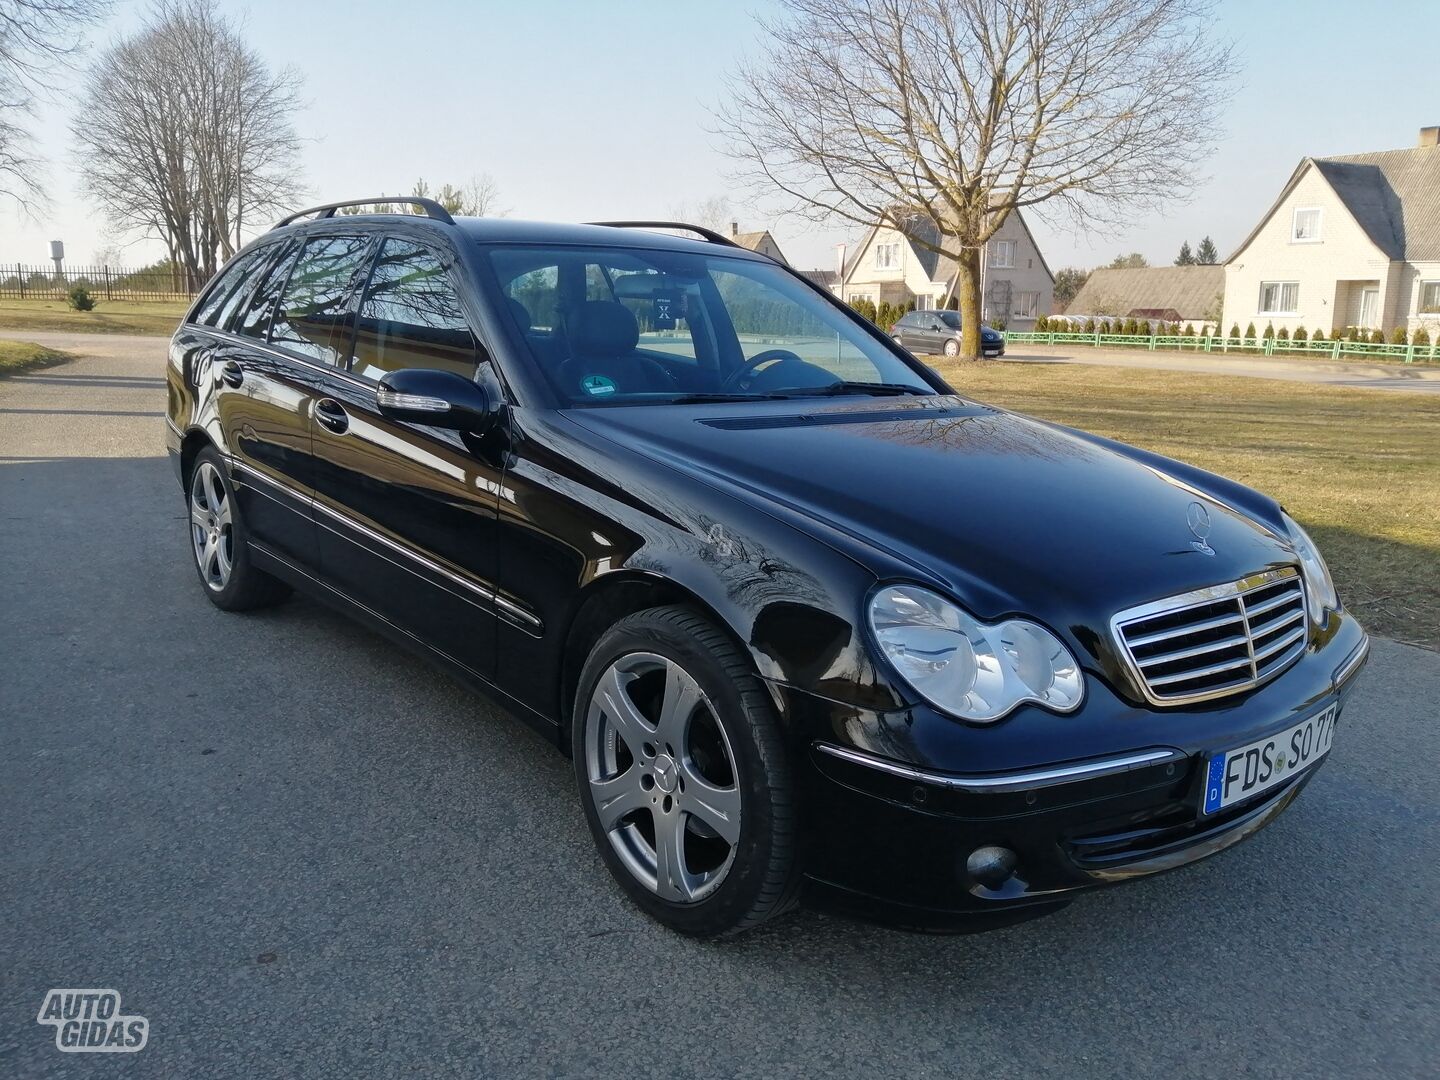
(1206, 255)
(1185, 258)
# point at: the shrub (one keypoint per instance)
(1269, 334)
(1377, 337)
(1420, 337)
(997, 324)
(1132, 328)
(1190, 330)
(1398, 336)
(864, 308)
(1282, 334)
(1104, 326)
(1250, 332)
(1299, 335)
(1090, 326)
(1235, 331)
(1042, 324)
(81, 300)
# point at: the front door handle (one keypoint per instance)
(332, 415)
(231, 373)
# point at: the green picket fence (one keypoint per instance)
(1328, 350)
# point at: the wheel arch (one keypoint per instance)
(193, 441)
(605, 602)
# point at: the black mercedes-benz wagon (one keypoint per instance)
(800, 612)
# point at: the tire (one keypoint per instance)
(710, 776)
(218, 540)
(952, 347)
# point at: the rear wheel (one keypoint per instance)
(683, 775)
(952, 347)
(217, 541)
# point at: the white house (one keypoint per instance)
(760, 241)
(1351, 241)
(1015, 281)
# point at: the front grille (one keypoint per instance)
(1216, 641)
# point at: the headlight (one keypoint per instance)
(967, 668)
(1320, 594)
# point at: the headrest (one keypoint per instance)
(602, 328)
(520, 313)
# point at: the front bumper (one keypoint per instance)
(895, 839)
(992, 350)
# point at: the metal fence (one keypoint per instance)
(1327, 349)
(21, 282)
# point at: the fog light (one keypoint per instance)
(992, 865)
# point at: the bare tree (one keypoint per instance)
(480, 197)
(37, 39)
(946, 116)
(183, 132)
(712, 212)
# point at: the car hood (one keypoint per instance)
(1010, 513)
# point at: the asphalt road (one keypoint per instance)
(299, 852)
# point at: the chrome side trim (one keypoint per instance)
(280, 354)
(1352, 664)
(508, 609)
(1002, 782)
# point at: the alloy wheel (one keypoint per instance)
(210, 526)
(952, 348)
(662, 777)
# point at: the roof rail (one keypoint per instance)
(709, 234)
(327, 210)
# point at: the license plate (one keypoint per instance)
(1248, 770)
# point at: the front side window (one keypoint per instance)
(1027, 304)
(1279, 297)
(410, 316)
(1002, 254)
(1305, 225)
(314, 309)
(667, 326)
(887, 256)
(1430, 297)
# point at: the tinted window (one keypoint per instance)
(255, 320)
(411, 315)
(230, 288)
(315, 302)
(950, 319)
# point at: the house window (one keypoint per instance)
(1430, 297)
(1002, 254)
(1305, 225)
(1279, 297)
(1027, 305)
(887, 256)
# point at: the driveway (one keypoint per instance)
(1418, 378)
(297, 851)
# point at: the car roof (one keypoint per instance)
(515, 231)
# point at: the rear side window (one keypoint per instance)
(411, 315)
(230, 288)
(313, 316)
(254, 321)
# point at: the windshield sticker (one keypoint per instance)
(597, 385)
(663, 316)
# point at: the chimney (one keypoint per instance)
(840, 259)
(1429, 136)
(734, 228)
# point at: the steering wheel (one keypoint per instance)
(741, 377)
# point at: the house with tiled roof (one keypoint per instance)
(1154, 293)
(1016, 286)
(1351, 241)
(760, 241)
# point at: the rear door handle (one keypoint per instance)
(332, 415)
(231, 373)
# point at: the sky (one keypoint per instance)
(593, 110)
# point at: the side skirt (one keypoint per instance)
(271, 563)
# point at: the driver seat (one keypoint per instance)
(602, 335)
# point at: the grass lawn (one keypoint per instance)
(1360, 469)
(109, 317)
(16, 356)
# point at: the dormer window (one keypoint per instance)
(887, 256)
(1305, 225)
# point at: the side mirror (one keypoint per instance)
(443, 399)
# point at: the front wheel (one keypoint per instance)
(684, 776)
(952, 347)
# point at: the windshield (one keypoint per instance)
(636, 326)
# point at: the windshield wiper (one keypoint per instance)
(700, 399)
(877, 389)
